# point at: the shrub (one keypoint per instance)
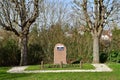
(35, 54)
(114, 56)
(103, 57)
(9, 53)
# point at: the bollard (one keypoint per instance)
(61, 64)
(80, 64)
(42, 65)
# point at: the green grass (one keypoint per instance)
(57, 67)
(115, 75)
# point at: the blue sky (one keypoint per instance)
(65, 1)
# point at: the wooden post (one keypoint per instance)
(42, 65)
(61, 64)
(81, 64)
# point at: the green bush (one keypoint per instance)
(114, 56)
(103, 57)
(35, 54)
(9, 53)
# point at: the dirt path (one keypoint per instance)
(98, 68)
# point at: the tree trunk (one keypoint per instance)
(24, 41)
(95, 49)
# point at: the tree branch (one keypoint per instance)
(9, 28)
(36, 12)
(87, 17)
(33, 17)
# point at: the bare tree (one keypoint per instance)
(97, 14)
(17, 16)
(53, 11)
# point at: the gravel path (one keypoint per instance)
(98, 68)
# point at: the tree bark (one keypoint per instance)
(95, 49)
(24, 49)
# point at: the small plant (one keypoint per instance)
(114, 56)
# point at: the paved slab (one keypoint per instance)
(98, 68)
(102, 67)
(19, 69)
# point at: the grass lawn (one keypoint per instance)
(57, 67)
(115, 75)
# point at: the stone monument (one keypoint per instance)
(60, 54)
